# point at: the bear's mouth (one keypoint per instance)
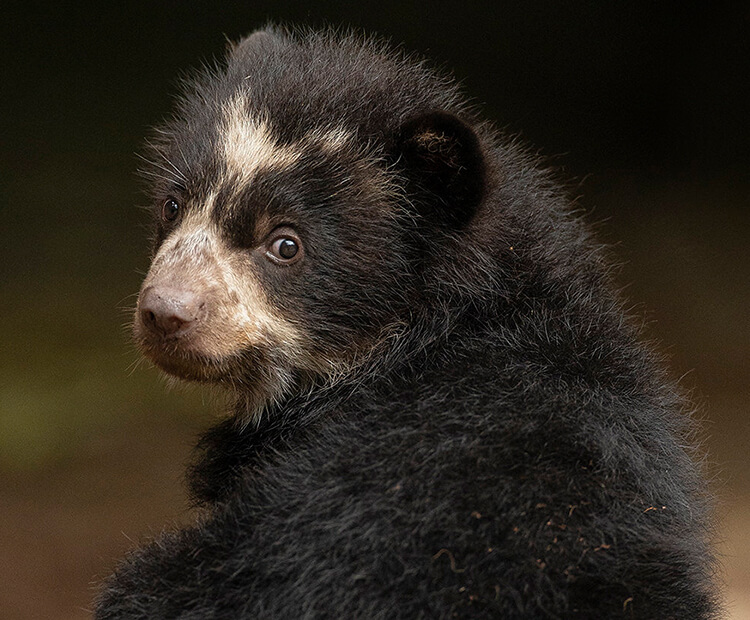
(249, 371)
(183, 354)
(183, 364)
(192, 357)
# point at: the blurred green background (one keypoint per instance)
(644, 107)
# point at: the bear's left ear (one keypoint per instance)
(442, 159)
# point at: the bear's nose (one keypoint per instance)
(166, 312)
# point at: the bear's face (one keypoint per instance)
(282, 259)
(273, 263)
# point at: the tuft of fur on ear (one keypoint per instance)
(442, 159)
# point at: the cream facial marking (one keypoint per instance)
(331, 140)
(238, 314)
(247, 143)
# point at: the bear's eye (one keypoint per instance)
(170, 210)
(285, 247)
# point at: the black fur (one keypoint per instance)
(500, 445)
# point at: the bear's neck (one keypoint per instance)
(527, 325)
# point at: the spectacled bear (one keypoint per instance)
(441, 407)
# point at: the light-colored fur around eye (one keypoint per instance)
(195, 257)
(238, 317)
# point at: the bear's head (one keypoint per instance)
(300, 195)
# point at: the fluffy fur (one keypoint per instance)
(467, 425)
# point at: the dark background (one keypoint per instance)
(642, 107)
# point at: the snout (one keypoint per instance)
(202, 313)
(165, 311)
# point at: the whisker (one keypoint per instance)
(175, 174)
(133, 366)
(163, 155)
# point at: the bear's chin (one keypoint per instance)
(240, 373)
(184, 357)
(189, 367)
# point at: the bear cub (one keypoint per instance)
(441, 409)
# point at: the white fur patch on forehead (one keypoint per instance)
(247, 143)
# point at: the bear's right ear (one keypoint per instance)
(443, 163)
(254, 43)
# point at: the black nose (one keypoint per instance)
(166, 311)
